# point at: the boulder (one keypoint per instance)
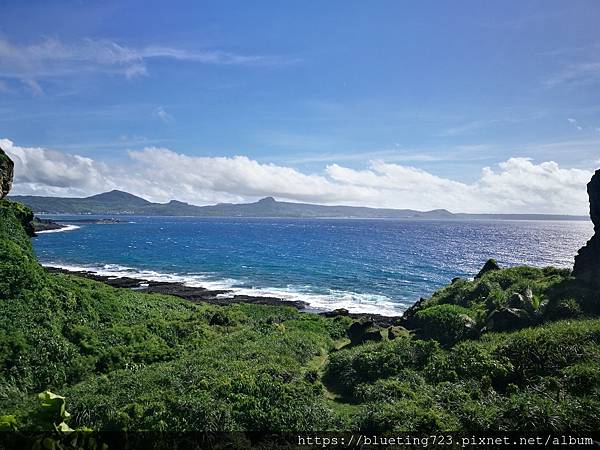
(587, 261)
(408, 317)
(490, 265)
(397, 332)
(364, 331)
(6, 174)
(522, 301)
(336, 312)
(508, 319)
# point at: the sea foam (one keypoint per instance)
(59, 230)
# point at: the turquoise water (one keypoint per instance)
(379, 266)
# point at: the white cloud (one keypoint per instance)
(517, 185)
(52, 57)
(39, 170)
(34, 87)
(575, 123)
(163, 115)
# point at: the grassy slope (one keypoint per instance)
(126, 360)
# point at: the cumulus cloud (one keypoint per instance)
(42, 171)
(52, 57)
(518, 185)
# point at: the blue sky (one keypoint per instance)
(444, 89)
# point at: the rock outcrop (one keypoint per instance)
(364, 331)
(587, 261)
(396, 332)
(21, 212)
(508, 319)
(489, 266)
(6, 174)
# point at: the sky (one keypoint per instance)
(470, 106)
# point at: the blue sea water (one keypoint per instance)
(379, 266)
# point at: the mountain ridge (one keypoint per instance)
(118, 202)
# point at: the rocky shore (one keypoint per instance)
(191, 293)
(103, 221)
(40, 225)
(222, 297)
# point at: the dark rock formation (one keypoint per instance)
(408, 319)
(490, 265)
(46, 225)
(21, 212)
(191, 293)
(6, 174)
(377, 319)
(364, 331)
(336, 313)
(522, 301)
(508, 319)
(587, 261)
(397, 332)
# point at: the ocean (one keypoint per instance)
(374, 266)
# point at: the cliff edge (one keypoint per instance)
(587, 261)
(7, 168)
(21, 212)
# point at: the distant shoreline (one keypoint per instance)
(43, 225)
(459, 218)
(119, 203)
(62, 229)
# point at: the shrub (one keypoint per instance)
(446, 324)
(468, 360)
(370, 362)
(582, 378)
(563, 309)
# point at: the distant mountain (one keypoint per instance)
(119, 198)
(119, 202)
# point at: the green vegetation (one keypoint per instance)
(130, 361)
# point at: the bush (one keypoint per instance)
(371, 362)
(447, 324)
(563, 309)
(468, 360)
(582, 379)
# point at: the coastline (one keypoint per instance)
(219, 297)
(58, 230)
(44, 225)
